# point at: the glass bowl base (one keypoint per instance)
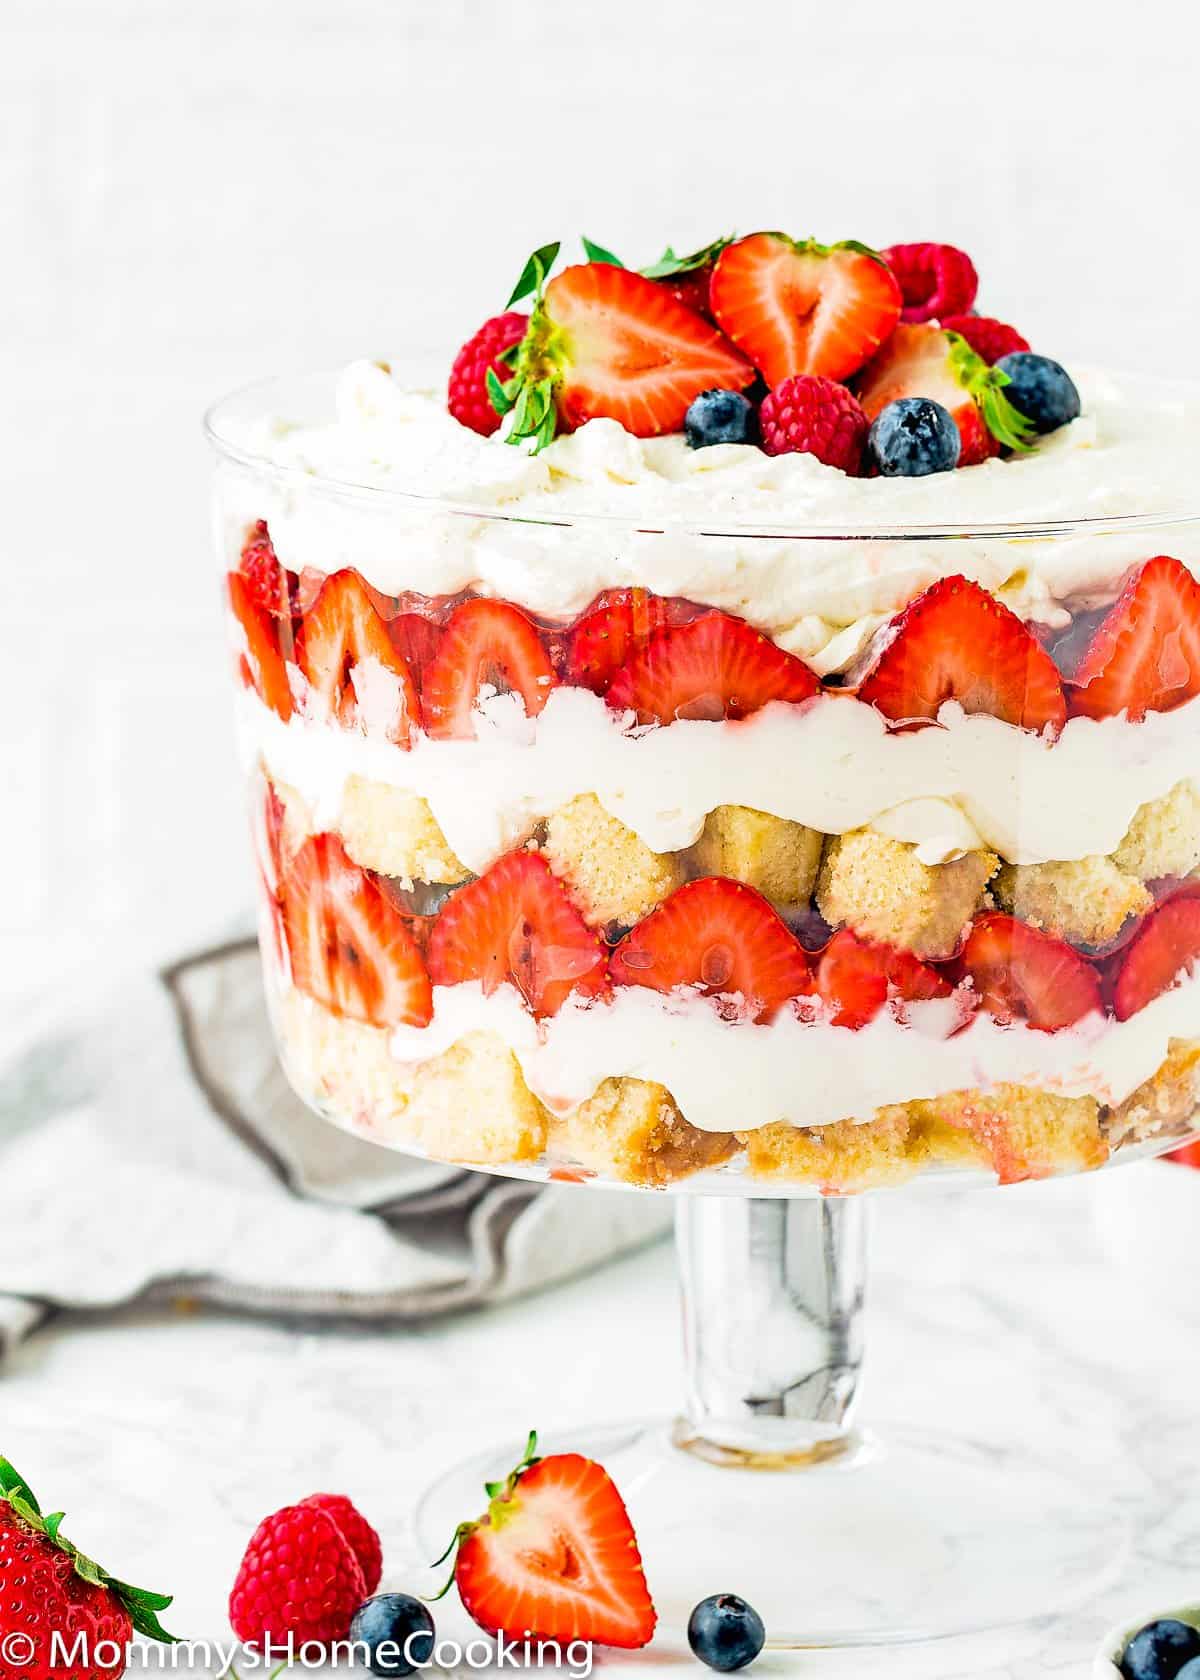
(906, 1536)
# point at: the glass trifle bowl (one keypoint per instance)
(756, 861)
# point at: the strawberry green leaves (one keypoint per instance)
(669, 264)
(533, 276)
(986, 385)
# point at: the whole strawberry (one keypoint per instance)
(467, 398)
(813, 416)
(299, 1578)
(73, 1616)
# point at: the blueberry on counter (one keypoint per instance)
(396, 1631)
(725, 1633)
(1042, 390)
(720, 417)
(1160, 1651)
(911, 437)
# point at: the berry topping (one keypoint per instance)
(299, 1580)
(989, 338)
(1145, 655)
(554, 1557)
(714, 667)
(955, 642)
(857, 977)
(1040, 389)
(516, 924)
(617, 624)
(1159, 1651)
(350, 947)
(807, 415)
(396, 1631)
(725, 1632)
(1163, 950)
(348, 657)
(935, 280)
(1022, 974)
(912, 437)
(488, 647)
(688, 278)
(800, 307)
(720, 939)
(468, 398)
(262, 661)
(720, 417)
(364, 1542)
(926, 361)
(269, 584)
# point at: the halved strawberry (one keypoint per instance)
(721, 939)
(486, 644)
(615, 626)
(350, 947)
(606, 343)
(1164, 949)
(261, 659)
(795, 306)
(516, 924)
(956, 642)
(714, 667)
(348, 657)
(1145, 656)
(926, 361)
(857, 977)
(1025, 975)
(554, 1557)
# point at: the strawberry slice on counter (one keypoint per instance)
(516, 924)
(554, 1557)
(262, 662)
(348, 657)
(795, 306)
(1022, 974)
(857, 977)
(956, 642)
(1145, 655)
(486, 645)
(350, 948)
(927, 361)
(616, 626)
(713, 667)
(720, 939)
(1165, 948)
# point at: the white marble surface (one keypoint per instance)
(1001, 1315)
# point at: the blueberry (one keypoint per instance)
(1041, 389)
(720, 417)
(396, 1631)
(911, 437)
(725, 1632)
(1160, 1650)
(1190, 1670)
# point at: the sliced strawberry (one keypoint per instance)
(956, 642)
(617, 625)
(1025, 975)
(714, 667)
(271, 586)
(1188, 1156)
(1145, 656)
(721, 939)
(1164, 949)
(554, 1557)
(486, 644)
(416, 639)
(516, 924)
(926, 361)
(857, 977)
(800, 307)
(350, 947)
(262, 661)
(348, 657)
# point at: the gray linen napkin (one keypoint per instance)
(151, 1152)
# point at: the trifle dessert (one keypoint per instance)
(747, 722)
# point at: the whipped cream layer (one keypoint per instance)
(1131, 453)
(831, 764)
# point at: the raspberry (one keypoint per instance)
(935, 280)
(266, 579)
(299, 1577)
(467, 398)
(364, 1542)
(813, 416)
(988, 338)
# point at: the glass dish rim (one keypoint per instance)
(379, 495)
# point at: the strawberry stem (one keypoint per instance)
(986, 385)
(529, 396)
(669, 264)
(499, 1493)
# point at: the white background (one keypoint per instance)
(195, 195)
